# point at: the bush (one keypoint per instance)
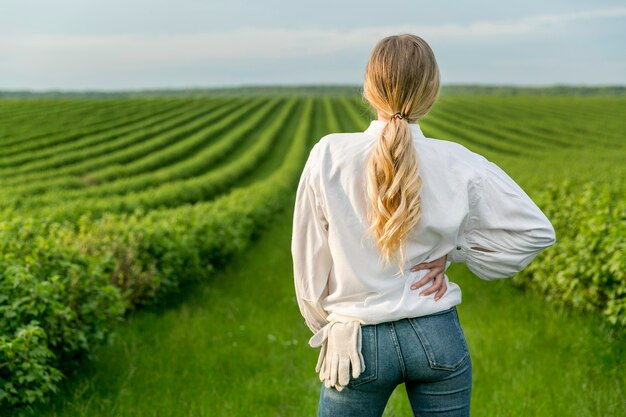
(55, 304)
(586, 268)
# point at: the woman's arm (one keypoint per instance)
(505, 229)
(312, 261)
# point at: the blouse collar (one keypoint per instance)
(376, 127)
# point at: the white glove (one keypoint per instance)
(341, 350)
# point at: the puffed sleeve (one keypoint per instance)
(312, 261)
(504, 231)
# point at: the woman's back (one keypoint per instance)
(467, 201)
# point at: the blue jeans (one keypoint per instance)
(428, 353)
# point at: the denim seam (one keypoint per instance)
(429, 350)
(424, 341)
(461, 333)
(394, 339)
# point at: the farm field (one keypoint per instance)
(179, 208)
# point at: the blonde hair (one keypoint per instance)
(401, 76)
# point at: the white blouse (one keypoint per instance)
(468, 202)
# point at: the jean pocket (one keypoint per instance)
(369, 350)
(442, 338)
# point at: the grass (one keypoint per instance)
(237, 346)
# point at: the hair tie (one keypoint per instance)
(399, 116)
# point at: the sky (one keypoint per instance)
(145, 44)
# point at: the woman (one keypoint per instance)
(379, 216)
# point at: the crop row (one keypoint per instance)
(518, 124)
(515, 124)
(116, 263)
(191, 156)
(434, 126)
(146, 160)
(579, 131)
(110, 141)
(483, 123)
(574, 123)
(122, 149)
(89, 119)
(23, 113)
(75, 139)
(174, 193)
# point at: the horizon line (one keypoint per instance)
(295, 85)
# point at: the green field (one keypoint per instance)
(174, 213)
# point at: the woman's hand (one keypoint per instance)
(437, 272)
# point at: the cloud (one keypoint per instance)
(30, 54)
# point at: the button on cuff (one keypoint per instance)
(459, 253)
